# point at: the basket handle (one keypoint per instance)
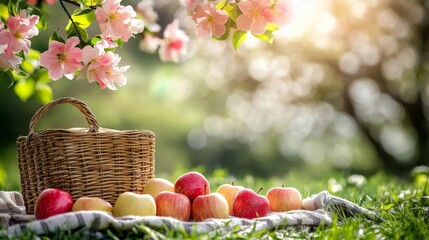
(83, 108)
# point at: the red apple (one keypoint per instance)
(192, 184)
(283, 199)
(229, 192)
(52, 201)
(174, 205)
(212, 205)
(248, 204)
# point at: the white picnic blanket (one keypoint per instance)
(16, 221)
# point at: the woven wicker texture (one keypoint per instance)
(84, 162)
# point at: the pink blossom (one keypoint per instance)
(62, 58)
(8, 59)
(136, 26)
(149, 43)
(150, 17)
(281, 10)
(117, 21)
(209, 20)
(102, 67)
(256, 15)
(174, 43)
(19, 30)
(191, 4)
(107, 42)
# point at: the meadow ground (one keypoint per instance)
(402, 207)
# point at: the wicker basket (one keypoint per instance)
(84, 162)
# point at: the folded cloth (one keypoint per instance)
(97, 220)
(12, 209)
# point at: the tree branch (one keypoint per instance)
(77, 4)
(71, 19)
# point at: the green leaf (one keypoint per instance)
(27, 66)
(238, 38)
(41, 75)
(82, 18)
(267, 36)
(44, 93)
(90, 3)
(22, 75)
(4, 13)
(55, 37)
(14, 75)
(20, 5)
(41, 24)
(33, 54)
(387, 207)
(95, 39)
(233, 11)
(11, 8)
(73, 33)
(25, 89)
(119, 42)
(272, 27)
(222, 4)
(230, 8)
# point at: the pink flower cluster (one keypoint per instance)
(254, 16)
(15, 37)
(95, 63)
(117, 21)
(172, 45)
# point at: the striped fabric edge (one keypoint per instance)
(98, 220)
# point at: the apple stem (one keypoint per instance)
(205, 189)
(260, 190)
(283, 185)
(232, 183)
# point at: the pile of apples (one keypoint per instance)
(189, 198)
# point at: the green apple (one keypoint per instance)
(157, 185)
(92, 203)
(229, 191)
(129, 203)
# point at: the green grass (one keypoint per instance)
(402, 207)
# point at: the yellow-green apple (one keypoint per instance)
(283, 199)
(229, 191)
(157, 185)
(308, 204)
(192, 184)
(129, 203)
(92, 203)
(52, 201)
(249, 204)
(212, 205)
(172, 204)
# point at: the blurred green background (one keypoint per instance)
(343, 87)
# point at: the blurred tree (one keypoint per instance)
(345, 84)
